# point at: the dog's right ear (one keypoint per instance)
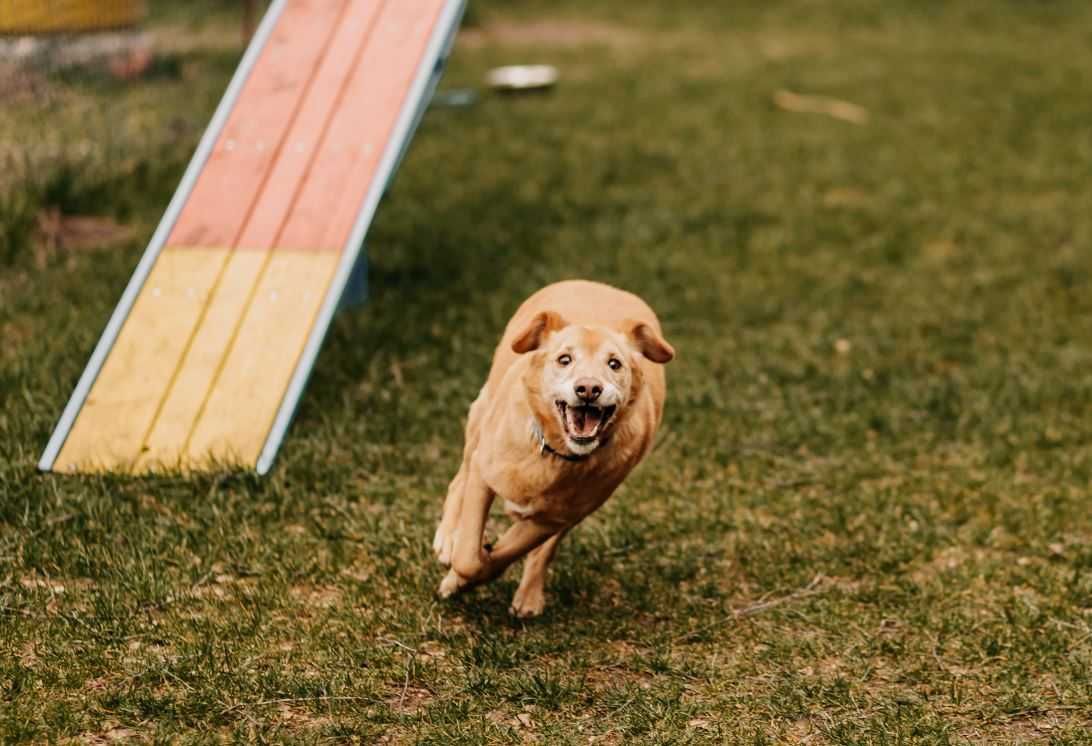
(542, 325)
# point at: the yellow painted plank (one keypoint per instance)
(36, 16)
(110, 428)
(182, 404)
(248, 391)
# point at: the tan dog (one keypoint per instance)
(572, 403)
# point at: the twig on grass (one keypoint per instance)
(810, 589)
(409, 664)
(831, 107)
(399, 643)
(1044, 710)
(814, 588)
(295, 700)
(179, 679)
(51, 523)
(405, 688)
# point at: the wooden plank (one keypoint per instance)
(216, 334)
(166, 437)
(144, 268)
(229, 186)
(67, 16)
(239, 412)
(204, 359)
(110, 427)
(308, 133)
(360, 130)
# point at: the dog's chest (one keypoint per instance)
(560, 509)
(519, 511)
(543, 491)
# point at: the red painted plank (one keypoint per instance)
(226, 192)
(308, 132)
(361, 128)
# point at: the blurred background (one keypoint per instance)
(85, 86)
(866, 227)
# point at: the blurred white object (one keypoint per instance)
(523, 77)
(59, 51)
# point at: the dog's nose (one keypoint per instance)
(588, 389)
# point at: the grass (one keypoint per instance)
(867, 522)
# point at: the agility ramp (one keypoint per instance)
(206, 356)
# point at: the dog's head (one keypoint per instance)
(582, 378)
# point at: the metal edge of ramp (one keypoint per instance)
(159, 238)
(416, 102)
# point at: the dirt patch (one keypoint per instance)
(13, 336)
(802, 731)
(786, 46)
(57, 233)
(409, 700)
(111, 734)
(319, 597)
(149, 503)
(549, 34)
(180, 40)
(1014, 731)
(299, 718)
(946, 560)
(55, 586)
(846, 197)
(28, 655)
(17, 84)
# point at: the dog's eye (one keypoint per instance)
(564, 360)
(614, 364)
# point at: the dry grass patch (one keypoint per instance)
(549, 33)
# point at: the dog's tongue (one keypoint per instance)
(585, 421)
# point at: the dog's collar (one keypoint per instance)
(545, 448)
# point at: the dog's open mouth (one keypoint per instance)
(583, 424)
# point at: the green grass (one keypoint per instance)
(868, 521)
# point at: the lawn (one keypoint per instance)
(868, 519)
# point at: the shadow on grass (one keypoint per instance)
(424, 279)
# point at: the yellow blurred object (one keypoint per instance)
(54, 16)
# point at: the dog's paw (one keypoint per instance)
(451, 584)
(527, 603)
(443, 544)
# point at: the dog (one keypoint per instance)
(572, 403)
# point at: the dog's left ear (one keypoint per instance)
(648, 342)
(542, 325)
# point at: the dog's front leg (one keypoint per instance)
(530, 598)
(468, 556)
(443, 543)
(518, 540)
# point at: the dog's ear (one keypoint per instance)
(648, 342)
(542, 325)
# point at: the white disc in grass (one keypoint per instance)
(523, 77)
